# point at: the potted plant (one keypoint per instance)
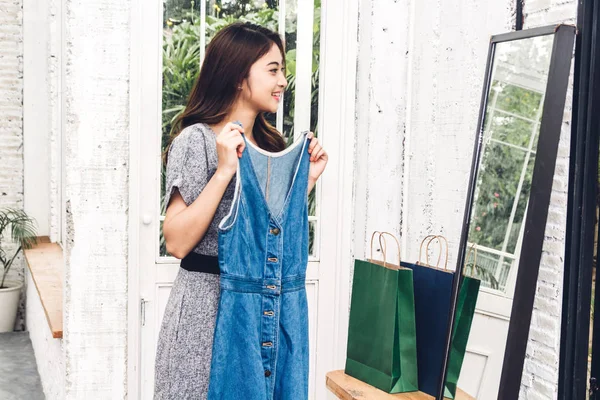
(22, 231)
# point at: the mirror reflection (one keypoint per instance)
(509, 140)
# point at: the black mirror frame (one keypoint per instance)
(539, 201)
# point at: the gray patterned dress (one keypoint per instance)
(185, 340)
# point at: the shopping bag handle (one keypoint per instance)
(383, 246)
(473, 250)
(432, 238)
(440, 238)
(372, 238)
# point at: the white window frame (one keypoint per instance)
(43, 116)
(36, 110)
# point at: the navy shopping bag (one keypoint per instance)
(432, 291)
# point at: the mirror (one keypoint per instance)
(523, 91)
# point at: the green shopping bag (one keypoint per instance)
(465, 310)
(381, 334)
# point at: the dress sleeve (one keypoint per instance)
(174, 171)
(186, 167)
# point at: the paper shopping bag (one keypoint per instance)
(381, 334)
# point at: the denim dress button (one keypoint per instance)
(267, 373)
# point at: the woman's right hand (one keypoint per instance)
(230, 146)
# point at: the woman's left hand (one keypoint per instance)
(318, 158)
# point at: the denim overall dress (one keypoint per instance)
(260, 347)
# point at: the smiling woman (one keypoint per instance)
(198, 197)
(284, 86)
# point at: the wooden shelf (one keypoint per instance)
(45, 261)
(346, 387)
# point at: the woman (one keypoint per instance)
(242, 77)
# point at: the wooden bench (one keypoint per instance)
(346, 387)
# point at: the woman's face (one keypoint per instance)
(266, 81)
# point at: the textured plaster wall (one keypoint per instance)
(11, 127)
(96, 84)
(382, 72)
(54, 59)
(449, 57)
(48, 350)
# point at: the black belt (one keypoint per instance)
(200, 263)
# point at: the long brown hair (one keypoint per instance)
(227, 62)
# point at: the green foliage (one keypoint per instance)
(511, 129)
(508, 133)
(497, 187)
(181, 55)
(520, 101)
(481, 273)
(22, 231)
(501, 168)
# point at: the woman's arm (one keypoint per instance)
(311, 185)
(185, 226)
(318, 161)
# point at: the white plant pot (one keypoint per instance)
(9, 302)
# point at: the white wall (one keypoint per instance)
(449, 56)
(55, 118)
(42, 169)
(11, 125)
(96, 84)
(48, 350)
(381, 113)
(93, 92)
(11, 103)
